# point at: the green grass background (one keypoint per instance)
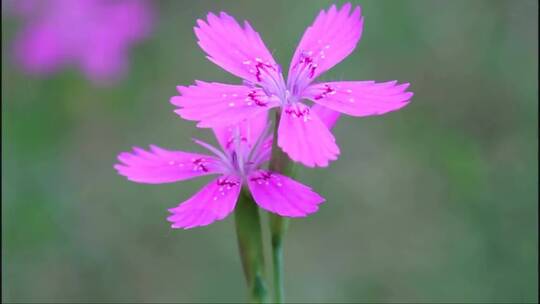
(434, 203)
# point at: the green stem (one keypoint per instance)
(278, 227)
(248, 231)
(280, 163)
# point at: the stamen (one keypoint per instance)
(304, 71)
(237, 156)
(212, 149)
(255, 151)
(263, 154)
(269, 77)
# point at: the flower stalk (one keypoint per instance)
(248, 231)
(281, 163)
(278, 227)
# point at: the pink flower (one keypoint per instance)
(94, 35)
(244, 149)
(301, 134)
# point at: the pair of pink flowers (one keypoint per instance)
(238, 116)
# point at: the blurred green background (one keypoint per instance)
(433, 203)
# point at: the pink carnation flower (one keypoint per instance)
(94, 35)
(244, 150)
(301, 134)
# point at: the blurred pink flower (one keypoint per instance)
(301, 134)
(93, 35)
(244, 149)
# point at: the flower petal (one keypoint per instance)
(360, 98)
(328, 116)
(159, 166)
(249, 131)
(217, 104)
(282, 195)
(332, 37)
(305, 138)
(238, 50)
(212, 203)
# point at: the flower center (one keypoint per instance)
(270, 78)
(303, 73)
(246, 156)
